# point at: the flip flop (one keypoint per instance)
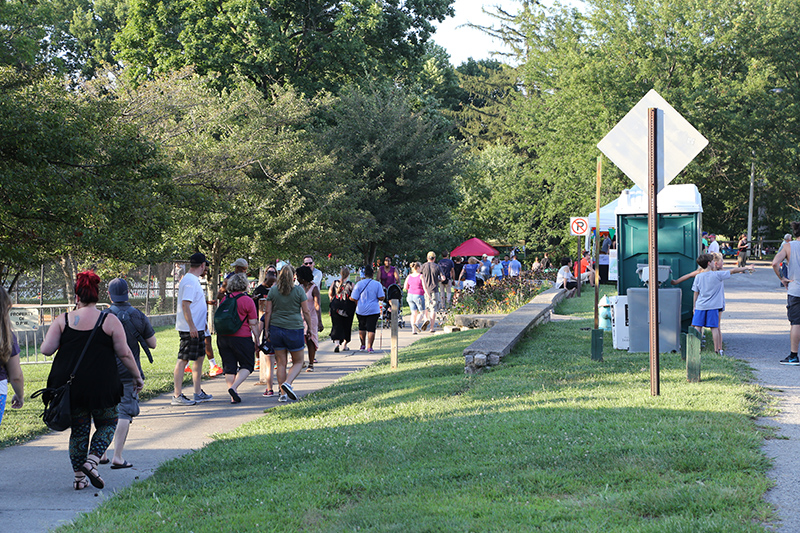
(105, 461)
(235, 398)
(126, 464)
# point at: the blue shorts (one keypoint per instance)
(416, 302)
(287, 339)
(706, 318)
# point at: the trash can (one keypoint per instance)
(679, 225)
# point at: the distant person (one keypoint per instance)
(514, 267)
(138, 332)
(96, 389)
(536, 267)
(497, 269)
(237, 350)
(564, 278)
(448, 269)
(546, 263)
(305, 277)
(713, 245)
(458, 265)
(603, 259)
(785, 263)
(285, 315)
(10, 368)
(342, 310)
(308, 260)
(240, 266)
(743, 246)
(190, 322)
(469, 274)
(505, 263)
(790, 253)
(415, 296)
(431, 278)
(265, 347)
(485, 271)
(367, 294)
(388, 274)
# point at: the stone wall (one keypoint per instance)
(504, 334)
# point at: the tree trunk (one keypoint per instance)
(369, 253)
(163, 271)
(68, 268)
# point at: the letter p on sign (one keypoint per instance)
(579, 226)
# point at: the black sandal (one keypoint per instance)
(91, 473)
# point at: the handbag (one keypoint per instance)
(57, 414)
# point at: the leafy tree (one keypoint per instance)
(312, 45)
(716, 63)
(400, 165)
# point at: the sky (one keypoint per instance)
(463, 43)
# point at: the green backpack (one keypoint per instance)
(226, 317)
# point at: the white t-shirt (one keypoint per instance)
(713, 247)
(190, 290)
(711, 290)
(514, 267)
(564, 275)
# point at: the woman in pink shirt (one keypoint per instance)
(416, 295)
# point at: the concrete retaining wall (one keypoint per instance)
(504, 334)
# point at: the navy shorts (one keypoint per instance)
(287, 339)
(706, 318)
(236, 353)
(190, 348)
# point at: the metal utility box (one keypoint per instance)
(619, 322)
(669, 320)
(679, 225)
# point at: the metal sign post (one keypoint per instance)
(597, 333)
(652, 250)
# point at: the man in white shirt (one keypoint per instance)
(309, 262)
(190, 321)
(713, 245)
(514, 267)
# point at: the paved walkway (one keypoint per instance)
(755, 329)
(36, 480)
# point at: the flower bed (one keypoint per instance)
(500, 297)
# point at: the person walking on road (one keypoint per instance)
(367, 294)
(10, 368)
(237, 350)
(431, 278)
(743, 246)
(791, 254)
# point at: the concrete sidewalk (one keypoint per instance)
(36, 480)
(755, 329)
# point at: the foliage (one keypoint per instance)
(394, 149)
(312, 45)
(75, 176)
(498, 296)
(550, 440)
(716, 63)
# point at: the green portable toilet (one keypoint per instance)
(680, 213)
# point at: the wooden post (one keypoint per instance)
(597, 334)
(692, 355)
(394, 346)
(652, 253)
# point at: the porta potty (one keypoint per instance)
(680, 214)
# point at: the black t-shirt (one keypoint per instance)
(260, 292)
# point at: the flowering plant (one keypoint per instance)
(499, 296)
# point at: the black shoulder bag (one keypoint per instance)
(57, 413)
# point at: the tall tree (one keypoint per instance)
(716, 63)
(313, 45)
(400, 164)
(75, 176)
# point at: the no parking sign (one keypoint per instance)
(579, 226)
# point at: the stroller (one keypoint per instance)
(392, 292)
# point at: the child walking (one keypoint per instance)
(709, 297)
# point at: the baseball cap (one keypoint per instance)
(241, 262)
(198, 258)
(118, 290)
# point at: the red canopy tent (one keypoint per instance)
(473, 246)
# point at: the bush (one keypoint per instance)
(500, 297)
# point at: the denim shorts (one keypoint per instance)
(416, 302)
(287, 339)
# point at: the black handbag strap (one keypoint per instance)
(100, 320)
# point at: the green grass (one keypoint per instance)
(548, 441)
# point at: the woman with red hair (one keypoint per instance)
(96, 388)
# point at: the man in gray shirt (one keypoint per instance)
(431, 277)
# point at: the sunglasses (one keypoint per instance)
(309, 263)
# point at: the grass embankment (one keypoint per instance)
(548, 441)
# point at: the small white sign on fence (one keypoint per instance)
(24, 319)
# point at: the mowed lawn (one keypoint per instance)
(548, 441)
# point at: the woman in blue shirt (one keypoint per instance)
(367, 294)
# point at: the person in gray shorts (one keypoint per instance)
(138, 330)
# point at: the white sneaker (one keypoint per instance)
(182, 400)
(283, 398)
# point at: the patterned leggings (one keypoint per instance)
(105, 422)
